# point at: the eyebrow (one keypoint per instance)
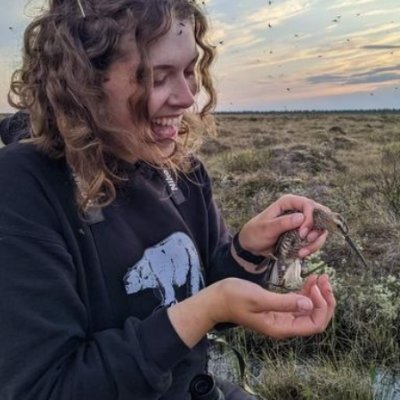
(168, 66)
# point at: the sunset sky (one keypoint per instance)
(279, 54)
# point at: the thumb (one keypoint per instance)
(286, 223)
(288, 302)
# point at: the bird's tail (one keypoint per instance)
(292, 276)
(285, 278)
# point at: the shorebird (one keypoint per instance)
(285, 266)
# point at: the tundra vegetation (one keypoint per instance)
(351, 163)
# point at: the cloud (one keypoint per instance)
(381, 47)
(377, 75)
(374, 79)
(354, 80)
(251, 26)
(395, 68)
(387, 11)
(349, 3)
(276, 15)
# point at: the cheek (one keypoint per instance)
(114, 92)
(118, 103)
(119, 91)
(157, 99)
(118, 106)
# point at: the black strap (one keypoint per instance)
(174, 190)
(246, 255)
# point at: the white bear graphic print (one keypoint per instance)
(168, 265)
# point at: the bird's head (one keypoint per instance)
(339, 223)
(335, 223)
(331, 221)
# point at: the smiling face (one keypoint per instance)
(173, 59)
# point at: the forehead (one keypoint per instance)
(176, 47)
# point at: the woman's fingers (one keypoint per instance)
(275, 314)
(274, 317)
(308, 223)
(282, 325)
(320, 315)
(290, 202)
(260, 234)
(313, 246)
(246, 303)
(327, 292)
(310, 281)
(314, 322)
(290, 302)
(324, 302)
(282, 224)
(300, 203)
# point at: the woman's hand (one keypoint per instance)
(260, 234)
(277, 315)
(247, 304)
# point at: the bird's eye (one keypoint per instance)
(343, 227)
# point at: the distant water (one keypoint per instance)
(387, 386)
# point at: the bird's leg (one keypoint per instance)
(281, 288)
(273, 275)
(317, 268)
(268, 262)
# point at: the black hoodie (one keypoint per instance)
(83, 302)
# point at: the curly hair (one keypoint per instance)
(67, 52)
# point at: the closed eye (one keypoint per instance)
(160, 80)
(190, 73)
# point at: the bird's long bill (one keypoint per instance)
(354, 247)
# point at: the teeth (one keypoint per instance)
(167, 121)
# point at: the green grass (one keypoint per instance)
(314, 379)
(245, 161)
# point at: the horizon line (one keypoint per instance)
(355, 110)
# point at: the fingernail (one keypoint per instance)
(304, 305)
(304, 253)
(298, 218)
(312, 236)
(303, 232)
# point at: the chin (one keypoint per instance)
(167, 148)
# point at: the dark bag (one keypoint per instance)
(207, 387)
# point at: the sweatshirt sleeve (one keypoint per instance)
(221, 262)
(46, 349)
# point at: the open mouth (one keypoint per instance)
(165, 128)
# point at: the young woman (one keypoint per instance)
(114, 260)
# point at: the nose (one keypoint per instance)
(182, 93)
